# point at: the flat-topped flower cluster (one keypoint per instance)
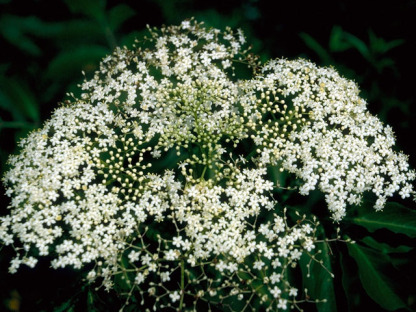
(158, 173)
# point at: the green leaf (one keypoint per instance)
(130, 38)
(350, 282)
(276, 176)
(212, 18)
(68, 64)
(21, 31)
(90, 8)
(359, 45)
(393, 217)
(18, 99)
(320, 283)
(244, 275)
(380, 46)
(383, 63)
(78, 31)
(13, 29)
(337, 41)
(64, 307)
(90, 301)
(118, 15)
(5, 101)
(384, 248)
(316, 47)
(376, 284)
(392, 44)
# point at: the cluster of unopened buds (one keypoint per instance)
(159, 173)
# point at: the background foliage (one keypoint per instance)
(46, 44)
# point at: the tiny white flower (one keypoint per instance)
(139, 278)
(275, 292)
(275, 278)
(282, 304)
(293, 292)
(258, 265)
(174, 296)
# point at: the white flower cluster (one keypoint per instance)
(339, 146)
(139, 175)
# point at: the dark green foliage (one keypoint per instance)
(378, 286)
(393, 217)
(317, 277)
(46, 44)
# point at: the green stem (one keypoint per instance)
(203, 172)
(182, 284)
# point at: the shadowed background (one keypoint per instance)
(46, 44)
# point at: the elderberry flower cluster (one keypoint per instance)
(158, 173)
(328, 138)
